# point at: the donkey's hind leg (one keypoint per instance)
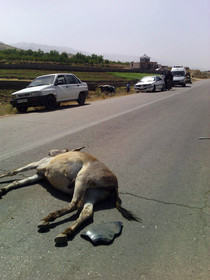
(76, 202)
(86, 214)
(17, 184)
(92, 196)
(45, 222)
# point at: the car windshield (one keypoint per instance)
(41, 81)
(178, 73)
(148, 79)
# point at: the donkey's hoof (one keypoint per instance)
(61, 238)
(44, 225)
(2, 191)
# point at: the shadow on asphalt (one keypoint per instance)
(43, 110)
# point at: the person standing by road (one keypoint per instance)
(169, 80)
(128, 87)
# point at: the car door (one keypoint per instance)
(159, 83)
(73, 87)
(61, 87)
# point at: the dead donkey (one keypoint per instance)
(77, 173)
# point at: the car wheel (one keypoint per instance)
(22, 109)
(81, 99)
(50, 103)
(154, 88)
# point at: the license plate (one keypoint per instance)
(22, 100)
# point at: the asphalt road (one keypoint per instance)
(151, 142)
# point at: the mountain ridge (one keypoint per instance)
(72, 51)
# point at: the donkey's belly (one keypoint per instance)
(62, 175)
(60, 183)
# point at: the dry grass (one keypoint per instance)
(7, 109)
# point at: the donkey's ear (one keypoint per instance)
(78, 149)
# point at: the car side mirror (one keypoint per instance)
(58, 83)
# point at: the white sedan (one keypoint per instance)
(150, 83)
(49, 91)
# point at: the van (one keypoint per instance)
(179, 75)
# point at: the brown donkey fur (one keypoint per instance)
(74, 173)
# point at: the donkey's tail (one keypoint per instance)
(125, 213)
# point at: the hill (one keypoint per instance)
(6, 47)
(60, 49)
(44, 48)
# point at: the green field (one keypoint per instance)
(22, 74)
(129, 76)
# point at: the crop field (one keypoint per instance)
(129, 76)
(22, 74)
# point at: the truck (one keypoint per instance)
(179, 75)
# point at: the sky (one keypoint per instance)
(171, 32)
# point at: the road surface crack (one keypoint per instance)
(162, 202)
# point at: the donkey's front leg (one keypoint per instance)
(17, 184)
(32, 165)
(86, 214)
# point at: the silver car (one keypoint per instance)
(150, 83)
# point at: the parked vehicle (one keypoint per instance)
(179, 75)
(150, 83)
(50, 91)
